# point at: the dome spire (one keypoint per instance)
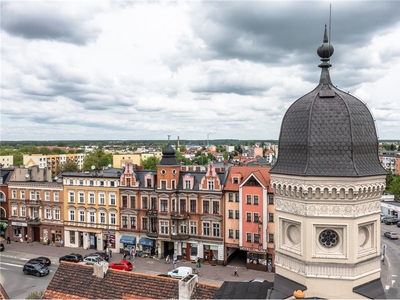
(325, 51)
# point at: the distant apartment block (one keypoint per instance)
(390, 160)
(6, 161)
(52, 161)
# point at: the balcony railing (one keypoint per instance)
(179, 215)
(180, 236)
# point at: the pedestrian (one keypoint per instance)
(26, 237)
(134, 252)
(109, 252)
(8, 240)
(125, 255)
(198, 262)
(167, 260)
(236, 272)
(130, 253)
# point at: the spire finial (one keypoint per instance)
(169, 137)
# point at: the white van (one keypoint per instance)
(180, 272)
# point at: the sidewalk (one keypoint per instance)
(215, 275)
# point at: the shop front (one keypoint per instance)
(127, 242)
(256, 259)
(190, 251)
(147, 247)
(210, 254)
(108, 239)
(18, 231)
(52, 235)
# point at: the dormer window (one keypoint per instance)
(187, 184)
(148, 182)
(210, 185)
(235, 180)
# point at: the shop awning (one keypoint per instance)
(126, 239)
(146, 242)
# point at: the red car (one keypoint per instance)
(123, 265)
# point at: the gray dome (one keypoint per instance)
(169, 157)
(328, 132)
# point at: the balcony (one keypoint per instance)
(33, 203)
(179, 237)
(151, 213)
(152, 234)
(183, 215)
(33, 220)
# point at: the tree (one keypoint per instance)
(44, 150)
(394, 187)
(35, 295)
(29, 149)
(58, 151)
(182, 159)
(70, 166)
(18, 159)
(150, 163)
(202, 160)
(225, 154)
(98, 159)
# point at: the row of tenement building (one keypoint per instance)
(189, 211)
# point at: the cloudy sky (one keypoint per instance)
(133, 70)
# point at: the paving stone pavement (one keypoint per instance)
(215, 275)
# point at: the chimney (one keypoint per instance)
(186, 286)
(100, 269)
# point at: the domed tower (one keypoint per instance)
(327, 183)
(168, 170)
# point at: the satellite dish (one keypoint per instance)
(26, 175)
(109, 165)
(93, 167)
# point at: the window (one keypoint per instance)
(92, 217)
(215, 207)
(206, 206)
(256, 217)
(270, 199)
(270, 217)
(255, 199)
(215, 229)
(56, 214)
(173, 184)
(153, 203)
(72, 215)
(148, 182)
(113, 219)
(248, 199)
(163, 184)
(72, 237)
(230, 214)
(248, 237)
(47, 213)
(56, 196)
(270, 238)
(102, 217)
(248, 217)
(124, 201)
(235, 180)
(236, 214)
(112, 183)
(91, 198)
(133, 201)
(187, 184)
(193, 205)
(256, 238)
(112, 199)
(80, 182)
(164, 205)
(47, 196)
(182, 205)
(14, 211)
(91, 182)
(133, 222)
(124, 222)
(71, 182)
(22, 194)
(193, 228)
(183, 228)
(23, 211)
(210, 185)
(31, 197)
(144, 203)
(37, 195)
(81, 216)
(81, 197)
(145, 223)
(102, 200)
(230, 197)
(206, 228)
(101, 183)
(35, 212)
(236, 234)
(237, 197)
(230, 235)
(164, 227)
(71, 197)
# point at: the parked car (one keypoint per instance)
(73, 257)
(383, 218)
(391, 235)
(99, 254)
(121, 265)
(180, 272)
(91, 260)
(36, 269)
(2, 247)
(390, 221)
(398, 224)
(40, 260)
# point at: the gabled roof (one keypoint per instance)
(260, 173)
(76, 281)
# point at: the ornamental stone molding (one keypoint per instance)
(350, 210)
(316, 188)
(328, 270)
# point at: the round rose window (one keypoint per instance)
(329, 238)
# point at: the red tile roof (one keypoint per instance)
(76, 281)
(243, 172)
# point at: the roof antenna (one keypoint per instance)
(330, 18)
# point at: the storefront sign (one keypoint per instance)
(253, 249)
(19, 224)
